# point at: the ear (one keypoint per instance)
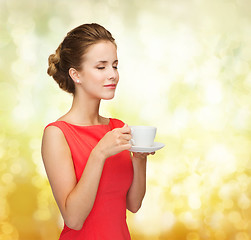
(74, 75)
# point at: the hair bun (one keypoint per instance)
(52, 69)
(53, 62)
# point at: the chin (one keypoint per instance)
(108, 97)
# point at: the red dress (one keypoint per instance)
(107, 219)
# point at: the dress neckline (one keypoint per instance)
(102, 125)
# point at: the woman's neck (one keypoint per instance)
(85, 110)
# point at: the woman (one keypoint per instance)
(93, 177)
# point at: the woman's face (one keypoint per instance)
(99, 75)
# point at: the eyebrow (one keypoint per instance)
(116, 61)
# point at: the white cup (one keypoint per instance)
(143, 136)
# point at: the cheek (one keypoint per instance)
(95, 78)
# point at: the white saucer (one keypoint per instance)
(156, 146)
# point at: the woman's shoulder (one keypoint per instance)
(56, 124)
(53, 135)
(60, 123)
(56, 128)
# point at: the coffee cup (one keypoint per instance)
(143, 136)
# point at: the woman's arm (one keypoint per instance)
(137, 190)
(75, 199)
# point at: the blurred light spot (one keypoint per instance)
(244, 202)
(191, 77)
(2, 151)
(42, 215)
(20, 20)
(242, 236)
(23, 111)
(220, 235)
(228, 204)
(176, 189)
(189, 220)
(241, 68)
(242, 117)
(228, 190)
(42, 199)
(20, 68)
(179, 203)
(248, 80)
(7, 228)
(193, 236)
(9, 90)
(180, 119)
(209, 72)
(242, 225)
(243, 179)
(4, 208)
(191, 144)
(194, 201)
(16, 168)
(13, 148)
(27, 49)
(183, 47)
(215, 220)
(155, 48)
(234, 217)
(38, 181)
(6, 237)
(7, 178)
(221, 158)
(210, 117)
(168, 220)
(13, 143)
(3, 166)
(55, 23)
(35, 143)
(213, 92)
(13, 153)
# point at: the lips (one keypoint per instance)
(110, 85)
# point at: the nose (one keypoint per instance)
(112, 73)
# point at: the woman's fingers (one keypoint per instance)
(125, 141)
(124, 136)
(127, 146)
(124, 133)
(125, 129)
(127, 137)
(144, 154)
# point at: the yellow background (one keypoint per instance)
(184, 68)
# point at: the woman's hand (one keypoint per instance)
(114, 141)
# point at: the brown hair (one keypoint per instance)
(70, 52)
